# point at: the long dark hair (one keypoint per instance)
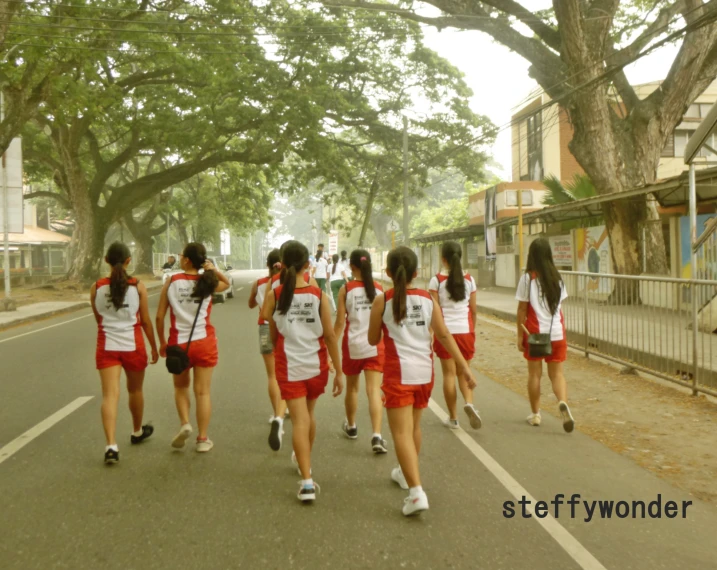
(273, 262)
(456, 283)
(335, 259)
(540, 262)
(117, 254)
(207, 283)
(402, 262)
(294, 256)
(361, 259)
(343, 255)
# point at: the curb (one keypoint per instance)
(47, 315)
(498, 313)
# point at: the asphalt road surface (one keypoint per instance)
(236, 506)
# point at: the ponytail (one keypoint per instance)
(287, 291)
(117, 255)
(402, 263)
(273, 262)
(207, 283)
(361, 259)
(295, 256)
(456, 283)
(399, 295)
(335, 259)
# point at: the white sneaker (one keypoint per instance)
(180, 439)
(452, 424)
(415, 505)
(398, 477)
(534, 419)
(568, 421)
(473, 416)
(204, 445)
(308, 493)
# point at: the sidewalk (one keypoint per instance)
(26, 314)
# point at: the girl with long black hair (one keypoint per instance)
(455, 292)
(302, 333)
(336, 278)
(256, 299)
(121, 310)
(354, 313)
(185, 295)
(406, 315)
(541, 292)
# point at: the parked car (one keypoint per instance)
(219, 264)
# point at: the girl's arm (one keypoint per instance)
(434, 296)
(446, 338)
(473, 306)
(520, 321)
(268, 315)
(93, 293)
(375, 325)
(264, 313)
(340, 313)
(331, 344)
(159, 321)
(252, 295)
(146, 320)
(224, 283)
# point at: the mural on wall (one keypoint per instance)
(593, 251)
(706, 271)
(562, 248)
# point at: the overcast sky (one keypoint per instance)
(499, 78)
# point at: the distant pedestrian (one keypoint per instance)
(266, 348)
(188, 296)
(321, 270)
(541, 292)
(170, 262)
(406, 316)
(336, 278)
(354, 313)
(455, 292)
(302, 332)
(121, 310)
(346, 263)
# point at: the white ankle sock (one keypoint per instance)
(307, 482)
(415, 491)
(137, 433)
(378, 435)
(113, 446)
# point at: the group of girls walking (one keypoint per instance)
(121, 310)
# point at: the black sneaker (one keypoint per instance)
(379, 445)
(111, 456)
(146, 432)
(351, 432)
(275, 434)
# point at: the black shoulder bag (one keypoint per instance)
(177, 357)
(539, 344)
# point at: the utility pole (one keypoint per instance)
(405, 181)
(6, 213)
(251, 254)
(168, 218)
(520, 228)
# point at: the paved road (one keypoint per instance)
(236, 507)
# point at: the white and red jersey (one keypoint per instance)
(300, 351)
(118, 329)
(456, 314)
(260, 294)
(183, 308)
(539, 319)
(276, 280)
(358, 315)
(409, 350)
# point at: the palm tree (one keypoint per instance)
(580, 188)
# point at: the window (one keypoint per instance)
(535, 146)
(511, 198)
(705, 108)
(681, 138)
(669, 149)
(693, 112)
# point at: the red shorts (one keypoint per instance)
(203, 352)
(352, 367)
(310, 389)
(466, 344)
(397, 395)
(131, 361)
(560, 350)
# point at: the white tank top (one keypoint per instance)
(457, 314)
(358, 315)
(260, 294)
(117, 328)
(409, 350)
(183, 308)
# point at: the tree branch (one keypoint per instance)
(549, 35)
(53, 195)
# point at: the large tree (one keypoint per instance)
(577, 53)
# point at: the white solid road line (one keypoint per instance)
(18, 443)
(567, 541)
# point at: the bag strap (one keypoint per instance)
(194, 324)
(552, 320)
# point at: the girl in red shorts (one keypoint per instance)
(185, 294)
(541, 292)
(455, 292)
(121, 311)
(405, 316)
(354, 312)
(299, 315)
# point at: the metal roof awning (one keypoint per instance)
(458, 233)
(668, 193)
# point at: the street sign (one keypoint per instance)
(13, 164)
(333, 242)
(393, 226)
(225, 242)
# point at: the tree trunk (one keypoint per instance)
(89, 240)
(369, 209)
